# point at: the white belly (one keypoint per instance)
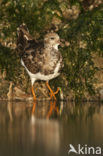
(39, 76)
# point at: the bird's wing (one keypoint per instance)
(35, 57)
(24, 39)
(29, 50)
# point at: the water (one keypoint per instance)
(47, 128)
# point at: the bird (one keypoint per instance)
(41, 58)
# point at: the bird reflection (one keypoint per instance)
(37, 109)
(44, 109)
(48, 134)
(24, 137)
(53, 107)
(33, 108)
(30, 124)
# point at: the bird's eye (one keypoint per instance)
(52, 38)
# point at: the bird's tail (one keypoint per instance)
(23, 37)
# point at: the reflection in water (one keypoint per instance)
(47, 133)
(45, 106)
(53, 107)
(26, 130)
(9, 107)
(48, 130)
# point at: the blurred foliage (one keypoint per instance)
(7, 61)
(81, 30)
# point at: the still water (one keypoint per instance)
(48, 128)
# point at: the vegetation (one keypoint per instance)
(80, 26)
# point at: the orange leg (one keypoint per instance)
(51, 91)
(52, 107)
(34, 96)
(52, 94)
(34, 106)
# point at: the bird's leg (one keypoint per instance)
(51, 91)
(52, 94)
(56, 92)
(34, 96)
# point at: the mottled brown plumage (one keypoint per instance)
(41, 59)
(36, 56)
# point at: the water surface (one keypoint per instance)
(47, 128)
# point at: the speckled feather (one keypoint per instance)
(39, 57)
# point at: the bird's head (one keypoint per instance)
(52, 40)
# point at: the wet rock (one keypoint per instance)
(4, 88)
(56, 21)
(10, 92)
(101, 93)
(91, 4)
(21, 95)
(70, 12)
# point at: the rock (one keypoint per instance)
(10, 92)
(21, 95)
(101, 93)
(4, 89)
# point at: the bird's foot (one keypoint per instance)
(56, 92)
(52, 94)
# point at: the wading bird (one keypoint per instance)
(41, 59)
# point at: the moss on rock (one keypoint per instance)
(80, 27)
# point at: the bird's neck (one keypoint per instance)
(55, 46)
(48, 46)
